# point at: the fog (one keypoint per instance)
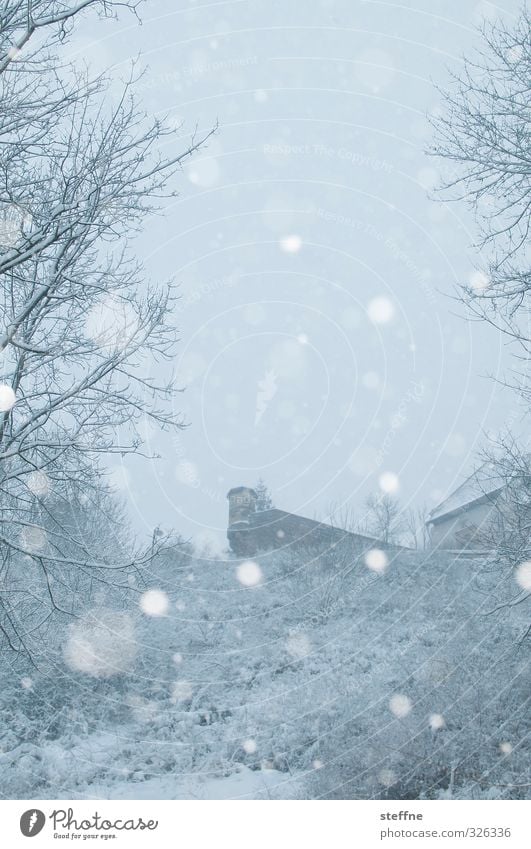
(321, 344)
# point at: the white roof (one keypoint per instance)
(484, 481)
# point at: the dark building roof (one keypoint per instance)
(275, 519)
(272, 529)
(251, 530)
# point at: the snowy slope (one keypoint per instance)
(294, 678)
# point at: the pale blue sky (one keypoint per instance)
(319, 345)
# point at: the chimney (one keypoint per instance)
(242, 503)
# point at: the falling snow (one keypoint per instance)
(38, 483)
(376, 560)
(154, 603)
(387, 777)
(479, 281)
(313, 269)
(7, 398)
(33, 539)
(291, 244)
(380, 310)
(400, 705)
(182, 691)
(389, 483)
(249, 573)
(101, 644)
(523, 575)
(298, 645)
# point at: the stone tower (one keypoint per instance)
(242, 503)
(242, 506)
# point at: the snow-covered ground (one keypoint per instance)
(291, 678)
(243, 783)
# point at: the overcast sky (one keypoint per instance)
(320, 347)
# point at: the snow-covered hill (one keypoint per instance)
(292, 677)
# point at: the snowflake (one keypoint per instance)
(13, 223)
(112, 324)
(479, 281)
(182, 691)
(154, 603)
(387, 777)
(9, 233)
(377, 560)
(515, 53)
(506, 748)
(291, 244)
(437, 721)
(249, 746)
(380, 310)
(101, 644)
(142, 709)
(249, 573)
(389, 483)
(26, 683)
(400, 705)
(523, 575)
(204, 172)
(186, 472)
(7, 398)
(33, 539)
(38, 483)
(298, 645)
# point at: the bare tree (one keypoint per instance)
(508, 532)
(340, 514)
(414, 525)
(82, 329)
(383, 519)
(486, 134)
